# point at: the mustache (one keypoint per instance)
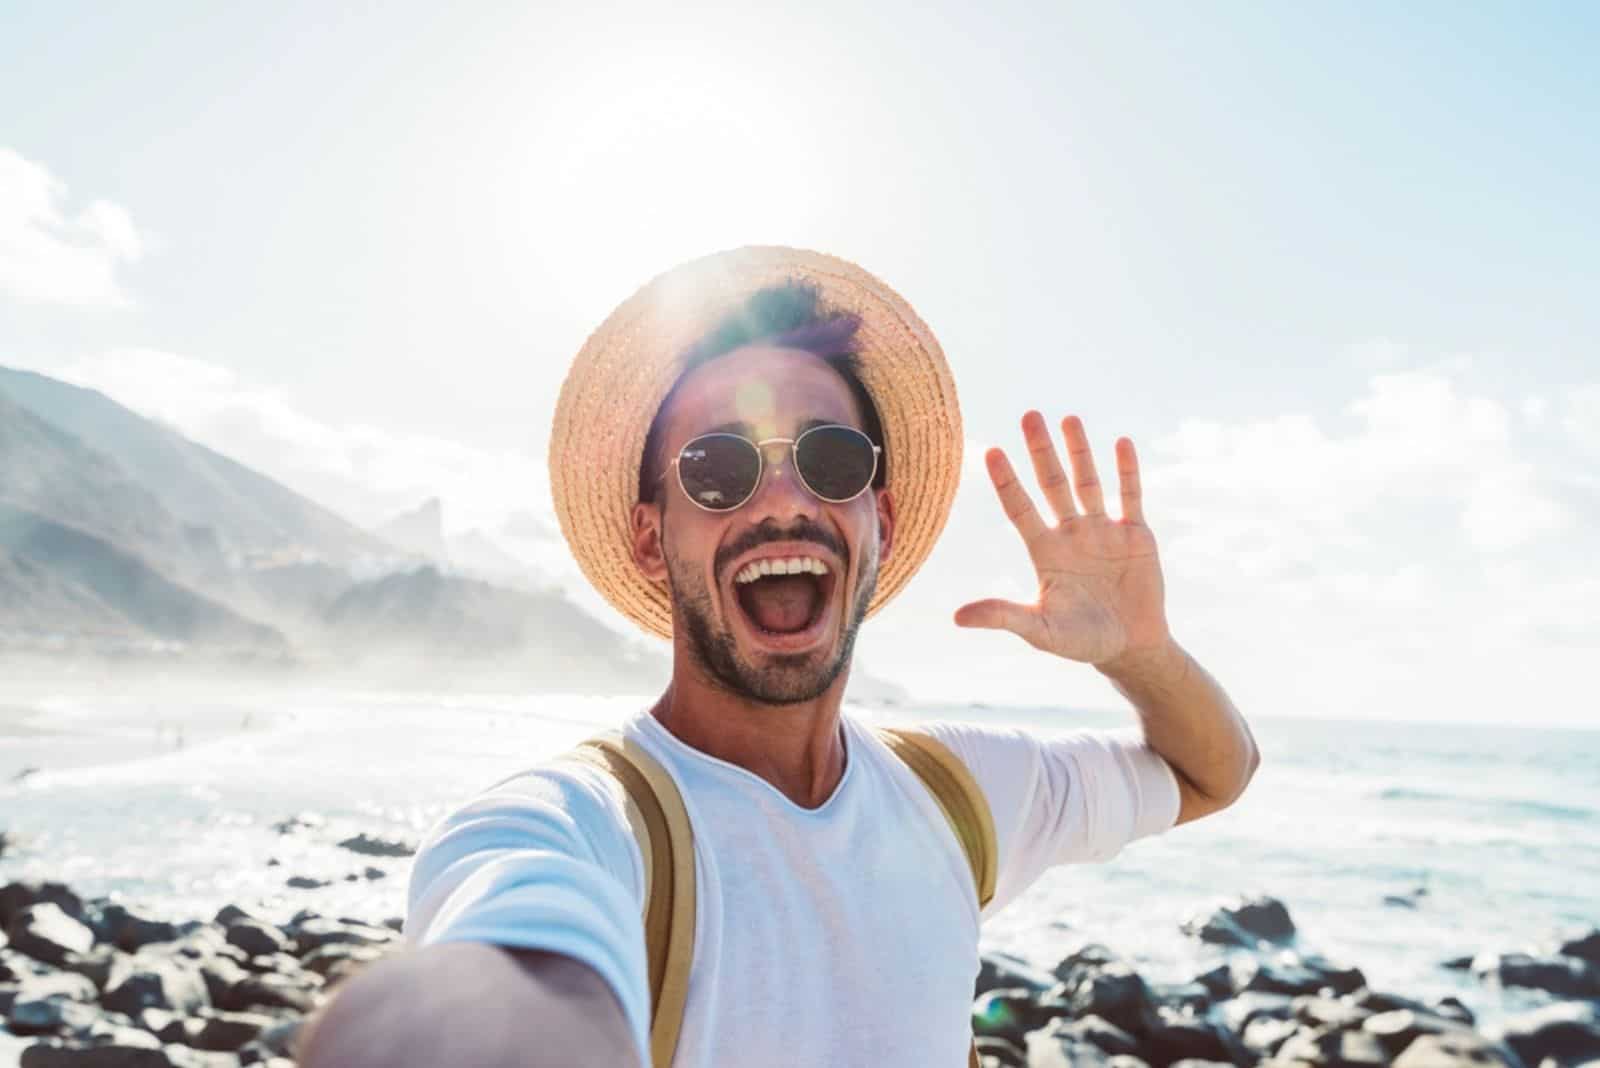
(769, 531)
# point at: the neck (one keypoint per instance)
(796, 747)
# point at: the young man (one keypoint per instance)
(751, 456)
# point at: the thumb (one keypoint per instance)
(996, 614)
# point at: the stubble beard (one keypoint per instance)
(788, 680)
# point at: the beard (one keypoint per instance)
(786, 680)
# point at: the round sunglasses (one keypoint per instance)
(720, 471)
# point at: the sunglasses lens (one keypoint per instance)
(719, 471)
(837, 462)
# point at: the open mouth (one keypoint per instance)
(785, 600)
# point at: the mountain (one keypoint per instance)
(254, 518)
(426, 617)
(420, 530)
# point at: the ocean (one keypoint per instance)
(1491, 832)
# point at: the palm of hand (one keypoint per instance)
(1101, 592)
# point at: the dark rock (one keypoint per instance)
(1452, 1008)
(1568, 977)
(273, 991)
(1333, 1049)
(395, 923)
(1177, 1038)
(1399, 901)
(371, 873)
(325, 959)
(316, 932)
(257, 938)
(1457, 964)
(1192, 996)
(1247, 922)
(221, 975)
(306, 882)
(108, 1032)
(300, 821)
(1123, 1060)
(1192, 1062)
(1584, 947)
(45, 932)
(1456, 1049)
(125, 930)
(1002, 971)
(231, 1030)
(1567, 1032)
(228, 915)
(14, 897)
(1103, 1034)
(53, 1014)
(1383, 1001)
(1082, 961)
(1116, 993)
(1219, 981)
(373, 846)
(1269, 977)
(142, 982)
(1398, 1028)
(279, 1037)
(95, 965)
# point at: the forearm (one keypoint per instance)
(1188, 719)
(470, 1003)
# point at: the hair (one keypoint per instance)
(788, 315)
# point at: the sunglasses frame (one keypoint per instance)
(761, 464)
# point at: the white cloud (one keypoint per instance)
(48, 256)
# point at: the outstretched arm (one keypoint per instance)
(1101, 602)
(470, 1003)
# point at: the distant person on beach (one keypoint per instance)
(751, 456)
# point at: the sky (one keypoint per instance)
(1331, 267)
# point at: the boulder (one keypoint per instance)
(1567, 1032)
(144, 981)
(1001, 970)
(47, 933)
(1247, 922)
(1011, 1014)
(256, 937)
(1237, 1013)
(128, 931)
(998, 1053)
(1104, 1034)
(1117, 993)
(1564, 976)
(1456, 1049)
(1584, 947)
(1176, 1038)
(222, 1030)
(318, 931)
(1396, 1029)
(50, 1015)
(305, 882)
(373, 846)
(1264, 1035)
(1336, 1014)
(14, 897)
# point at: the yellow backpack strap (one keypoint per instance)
(964, 806)
(660, 824)
(958, 794)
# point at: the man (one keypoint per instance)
(751, 456)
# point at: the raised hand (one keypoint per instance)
(1100, 589)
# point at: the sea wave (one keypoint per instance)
(1509, 805)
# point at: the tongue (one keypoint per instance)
(783, 604)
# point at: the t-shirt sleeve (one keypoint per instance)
(1078, 797)
(542, 860)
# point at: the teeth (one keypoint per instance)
(793, 565)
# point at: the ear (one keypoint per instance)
(885, 504)
(648, 554)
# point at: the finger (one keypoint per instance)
(1128, 477)
(1047, 465)
(1083, 472)
(996, 614)
(1013, 498)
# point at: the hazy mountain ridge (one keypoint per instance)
(152, 540)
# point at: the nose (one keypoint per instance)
(781, 495)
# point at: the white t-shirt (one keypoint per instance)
(841, 935)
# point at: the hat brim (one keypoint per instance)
(628, 365)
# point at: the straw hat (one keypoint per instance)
(626, 368)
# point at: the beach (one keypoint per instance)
(1421, 856)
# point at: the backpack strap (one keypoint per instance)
(660, 825)
(959, 796)
(964, 806)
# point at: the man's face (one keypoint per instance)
(779, 639)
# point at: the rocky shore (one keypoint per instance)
(91, 984)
